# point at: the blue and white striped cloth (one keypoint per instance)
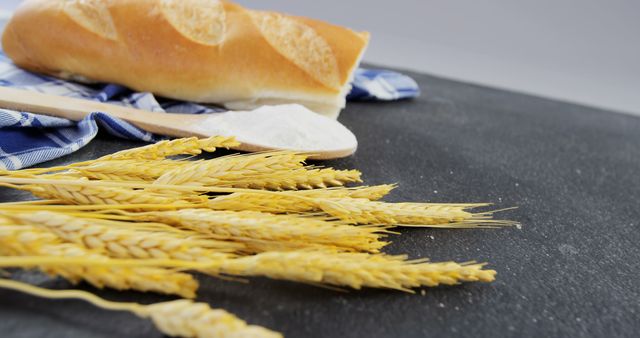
(27, 139)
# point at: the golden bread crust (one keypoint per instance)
(221, 53)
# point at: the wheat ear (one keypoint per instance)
(294, 201)
(122, 240)
(278, 228)
(30, 241)
(182, 318)
(363, 211)
(372, 193)
(231, 168)
(275, 202)
(255, 246)
(295, 179)
(94, 194)
(356, 270)
(157, 151)
(182, 146)
(130, 170)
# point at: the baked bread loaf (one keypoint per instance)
(206, 51)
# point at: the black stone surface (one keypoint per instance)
(572, 270)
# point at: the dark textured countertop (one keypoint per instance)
(572, 270)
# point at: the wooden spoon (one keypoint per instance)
(301, 130)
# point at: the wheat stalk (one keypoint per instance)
(182, 146)
(356, 270)
(29, 241)
(277, 228)
(234, 167)
(122, 240)
(175, 318)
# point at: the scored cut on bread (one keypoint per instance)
(206, 51)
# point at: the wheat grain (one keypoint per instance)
(29, 241)
(175, 318)
(277, 228)
(121, 240)
(231, 168)
(355, 270)
(182, 146)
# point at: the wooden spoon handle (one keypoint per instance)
(176, 125)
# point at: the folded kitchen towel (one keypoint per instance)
(27, 139)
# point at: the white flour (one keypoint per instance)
(282, 127)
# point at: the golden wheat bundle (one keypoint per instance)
(277, 228)
(354, 270)
(128, 240)
(351, 210)
(182, 318)
(30, 241)
(139, 218)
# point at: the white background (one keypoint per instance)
(585, 51)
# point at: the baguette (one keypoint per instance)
(204, 51)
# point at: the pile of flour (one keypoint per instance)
(289, 126)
